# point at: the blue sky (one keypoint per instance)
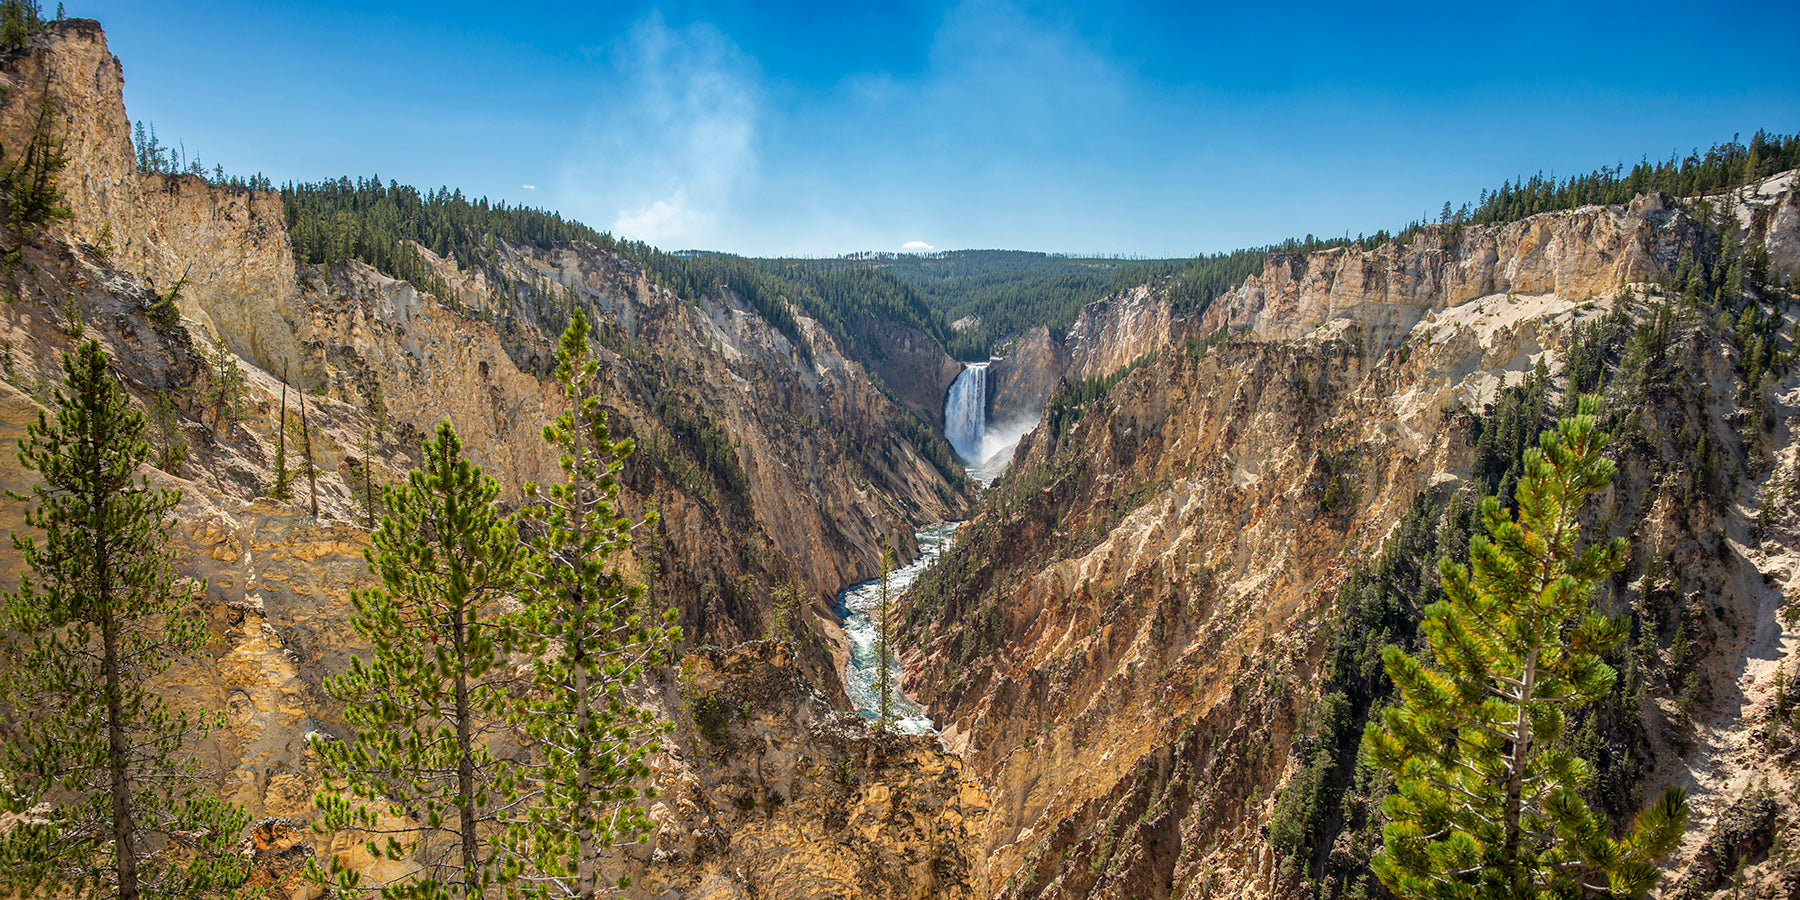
(821, 128)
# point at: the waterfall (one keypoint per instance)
(965, 412)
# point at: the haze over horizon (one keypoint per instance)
(822, 129)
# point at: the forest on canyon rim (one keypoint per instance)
(1151, 653)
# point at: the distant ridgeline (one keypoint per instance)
(1004, 293)
(997, 294)
(379, 223)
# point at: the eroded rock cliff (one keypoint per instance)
(1127, 642)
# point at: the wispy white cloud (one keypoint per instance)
(529, 187)
(981, 144)
(916, 245)
(671, 137)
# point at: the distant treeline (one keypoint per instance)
(1194, 284)
(1008, 291)
(155, 159)
(1726, 165)
(838, 295)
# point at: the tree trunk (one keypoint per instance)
(118, 749)
(465, 767)
(281, 432)
(586, 889)
(1515, 774)
(312, 471)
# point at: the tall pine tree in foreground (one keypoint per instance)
(1486, 803)
(425, 707)
(93, 758)
(584, 617)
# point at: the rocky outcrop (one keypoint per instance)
(769, 792)
(909, 362)
(1579, 254)
(1110, 333)
(1020, 382)
(68, 67)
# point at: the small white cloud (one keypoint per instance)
(916, 245)
(529, 187)
(664, 219)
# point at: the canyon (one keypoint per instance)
(1127, 648)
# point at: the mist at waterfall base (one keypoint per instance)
(995, 452)
(855, 604)
(985, 449)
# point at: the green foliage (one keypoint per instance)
(74, 324)
(171, 446)
(331, 221)
(380, 225)
(839, 295)
(1071, 398)
(1486, 802)
(587, 619)
(282, 485)
(783, 605)
(1340, 494)
(424, 708)
(713, 718)
(28, 183)
(1513, 421)
(1192, 285)
(1594, 349)
(884, 643)
(1377, 606)
(1197, 345)
(224, 385)
(98, 614)
(153, 158)
(1727, 165)
(1008, 291)
(706, 440)
(19, 20)
(697, 275)
(164, 310)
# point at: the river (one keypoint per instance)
(853, 606)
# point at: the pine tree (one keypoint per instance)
(225, 385)
(282, 488)
(165, 426)
(784, 605)
(94, 759)
(1486, 803)
(582, 614)
(425, 706)
(884, 643)
(28, 184)
(306, 457)
(368, 493)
